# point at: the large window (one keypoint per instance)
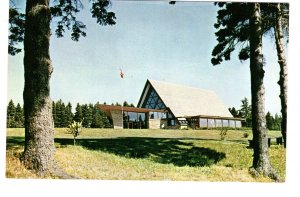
(231, 123)
(211, 122)
(225, 123)
(238, 123)
(153, 101)
(218, 123)
(203, 122)
(157, 115)
(134, 120)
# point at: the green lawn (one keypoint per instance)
(108, 154)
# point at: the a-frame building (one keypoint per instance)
(168, 105)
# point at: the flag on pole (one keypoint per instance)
(121, 73)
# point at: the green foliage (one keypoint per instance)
(273, 123)
(10, 114)
(64, 15)
(75, 129)
(233, 28)
(78, 113)
(245, 134)
(63, 116)
(19, 117)
(87, 113)
(16, 29)
(15, 115)
(223, 133)
(245, 112)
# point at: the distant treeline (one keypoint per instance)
(273, 123)
(90, 115)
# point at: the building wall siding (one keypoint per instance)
(117, 119)
(154, 123)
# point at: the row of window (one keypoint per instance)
(133, 116)
(157, 115)
(203, 122)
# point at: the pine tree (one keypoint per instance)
(78, 113)
(87, 113)
(270, 121)
(125, 104)
(97, 117)
(10, 116)
(233, 111)
(19, 117)
(240, 23)
(63, 116)
(245, 112)
(33, 28)
(69, 114)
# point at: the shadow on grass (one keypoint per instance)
(160, 150)
(14, 141)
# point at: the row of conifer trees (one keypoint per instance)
(90, 115)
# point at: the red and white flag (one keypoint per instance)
(121, 73)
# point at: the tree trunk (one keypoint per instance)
(283, 70)
(261, 163)
(39, 142)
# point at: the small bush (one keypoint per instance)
(246, 134)
(75, 129)
(223, 133)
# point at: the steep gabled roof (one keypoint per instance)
(186, 101)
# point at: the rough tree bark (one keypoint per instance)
(39, 148)
(283, 81)
(261, 163)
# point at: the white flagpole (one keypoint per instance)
(122, 103)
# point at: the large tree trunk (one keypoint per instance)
(261, 163)
(283, 70)
(39, 142)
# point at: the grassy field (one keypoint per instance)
(181, 155)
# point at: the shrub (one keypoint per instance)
(75, 129)
(246, 134)
(223, 133)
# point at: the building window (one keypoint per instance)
(171, 122)
(153, 101)
(238, 123)
(203, 122)
(231, 123)
(225, 123)
(218, 123)
(211, 123)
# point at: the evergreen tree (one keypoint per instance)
(277, 122)
(19, 117)
(234, 112)
(69, 114)
(10, 116)
(270, 121)
(59, 108)
(87, 113)
(33, 28)
(97, 118)
(239, 23)
(245, 112)
(125, 104)
(63, 116)
(78, 113)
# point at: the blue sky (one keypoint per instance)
(151, 40)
